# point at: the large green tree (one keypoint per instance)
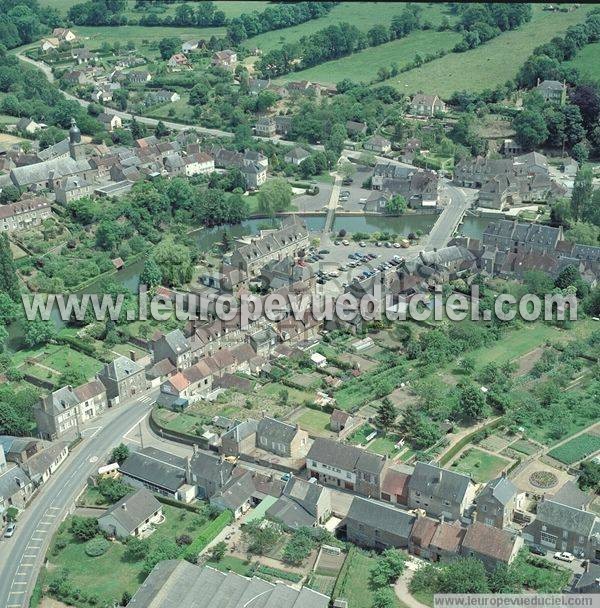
(9, 283)
(274, 196)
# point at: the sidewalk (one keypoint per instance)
(402, 592)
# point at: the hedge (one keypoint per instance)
(208, 533)
(459, 445)
(282, 574)
(177, 503)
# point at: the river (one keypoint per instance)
(207, 237)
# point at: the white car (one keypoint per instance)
(564, 556)
(10, 530)
(345, 243)
(397, 245)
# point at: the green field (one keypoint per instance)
(231, 9)
(481, 465)
(492, 63)
(96, 35)
(353, 581)
(386, 446)
(576, 449)
(586, 61)
(363, 15)
(109, 575)
(314, 422)
(363, 66)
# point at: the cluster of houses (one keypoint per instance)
(508, 181)
(71, 169)
(25, 464)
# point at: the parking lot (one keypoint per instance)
(338, 265)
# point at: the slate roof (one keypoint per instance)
(242, 430)
(179, 584)
(177, 341)
(54, 168)
(8, 481)
(551, 85)
(276, 430)
(566, 518)
(21, 207)
(297, 153)
(501, 488)
(381, 517)
(121, 368)
(432, 480)
(134, 509)
(237, 492)
(39, 463)
(448, 536)
(291, 514)
(63, 399)
(571, 496)
(156, 467)
(211, 467)
(346, 457)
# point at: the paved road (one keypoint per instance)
(459, 200)
(22, 555)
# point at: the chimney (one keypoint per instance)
(132, 355)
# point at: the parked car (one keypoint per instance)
(10, 529)
(347, 181)
(537, 549)
(336, 242)
(345, 243)
(378, 244)
(324, 251)
(564, 556)
(362, 244)
(286, 477)
(388, 244)
(397, 245)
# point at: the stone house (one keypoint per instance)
(241, 439)
(426, 105)
(62, 411)
(265, 126)
(302, 504)
(377, 526)
(24, 214)
(173, 346)
(497, 502)
(110, 121)
(440, 492)
(208, 473)
(562, 527)
(139, 77)
(224, 59)
(355, 129)
(296, 155)
(490, 545)
(179, 62)
(72, 188)
(280, 438)
(394, 488)
(132, 516)
(378, 144)
(16, 488)
(552, 91)
(345, 466)
(64, 34)
(123, 379)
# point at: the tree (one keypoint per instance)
(38, 332)
(530, 129)
(581, 197)
(113, 489)
(386, 415)
(471, 403)
(260, 539)
(168, 47)
(307, 167)
(151, 274)
(463, 575)
(590, 476)
(390, 565)
(396, 205)
(174, 261)
(120, 454)
(274, 196)
(384, 598)
(467, 364)
(9, 283)
(299, 547)
(84, 528)
(137, 549)
(161, 130)
(9, 194)
(217, 553)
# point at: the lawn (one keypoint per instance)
(353, 582)
(586, 61)
(363, 66)
(315, 422)
(178, 110)
(363, 15)
(479, 464)
(273, 389)
(111, 574)
(66, 359)
(186, 422)
(576, 449)
(359, 437)
(524, 446)
(96, 35)
(487, 65)
(386, 446)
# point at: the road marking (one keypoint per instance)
(19, 582)
(53, 508)
(16, 592)
(136, 424)
(29, 554)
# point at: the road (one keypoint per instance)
(22, 555)
(460, 199)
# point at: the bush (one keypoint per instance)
(84, 528)
(97, 546)
(207, 534)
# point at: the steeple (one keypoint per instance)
(76, 146)
(74, 133)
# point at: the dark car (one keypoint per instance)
(537, 550)
(324, 251)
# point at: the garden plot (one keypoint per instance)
(363, 363)
(314, 422)
(307, 380)
(495, 443)
(576, 449)
(481, 466)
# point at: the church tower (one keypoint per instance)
(76, 146)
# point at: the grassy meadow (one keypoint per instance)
(492, 63)
(587, 61)
(363, 66)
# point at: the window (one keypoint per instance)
(548, 538)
